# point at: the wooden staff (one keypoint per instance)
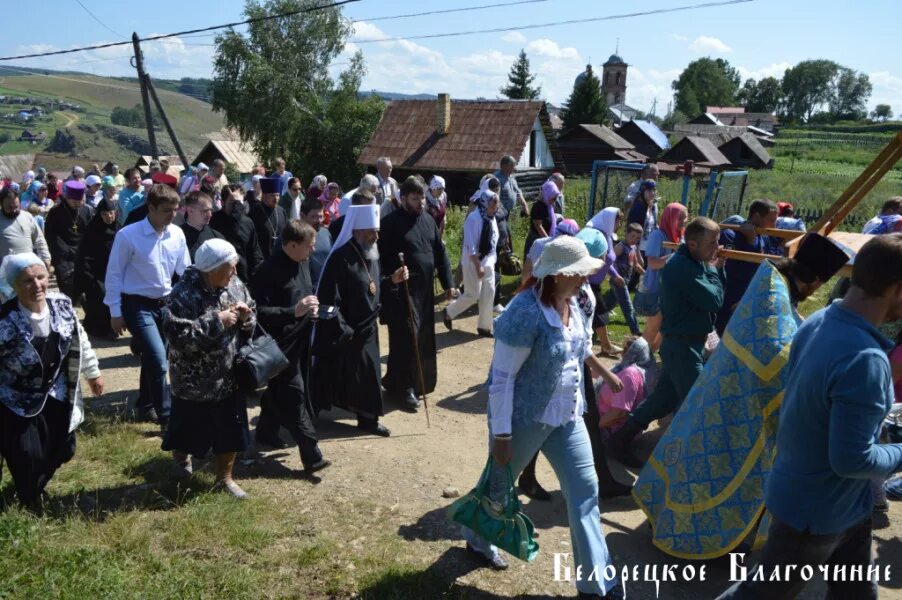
(416, 346)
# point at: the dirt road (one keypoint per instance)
(398, 481)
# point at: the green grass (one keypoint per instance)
(192, 119)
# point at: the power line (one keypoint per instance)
(449, 10)
(656, 11)
(180, 33)
(102, 24)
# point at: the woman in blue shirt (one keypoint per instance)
(536, 401)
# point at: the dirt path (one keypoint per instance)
(72, 118)
(398, 481)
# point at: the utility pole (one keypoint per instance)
(148, 119)
(166, 123)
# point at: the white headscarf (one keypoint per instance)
(483, 187)
(436, 183)
(12, 265)
(214, 253)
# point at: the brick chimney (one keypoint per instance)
(443, 114)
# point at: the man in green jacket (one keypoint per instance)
(692, 288)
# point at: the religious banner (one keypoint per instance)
(703, 487)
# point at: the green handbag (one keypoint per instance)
(505, 525)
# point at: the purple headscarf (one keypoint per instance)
(549, 193)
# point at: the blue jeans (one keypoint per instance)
(569, 451)
(622, 296)
(143, 317)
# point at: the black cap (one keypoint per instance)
(820, 254)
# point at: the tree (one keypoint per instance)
(274, 88)
(705, 82)
(807, 87)
(520, 81)
(850, 94)
(761, 96)
(586, 104)
(883, 112)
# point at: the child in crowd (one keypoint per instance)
(637, 370)
(626, 261)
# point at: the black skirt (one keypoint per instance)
(35, 447)
(197, 427)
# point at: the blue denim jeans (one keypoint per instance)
(622, 296)
(569, 451)
(144, 319)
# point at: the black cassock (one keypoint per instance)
(346, 365)
(90, 274)
(418, 238)
(239, 230)
(269, 223)
(195, 238)
(64, 229)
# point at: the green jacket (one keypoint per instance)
(691, 295)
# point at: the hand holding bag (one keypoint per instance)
(505, 525)
(258, 361)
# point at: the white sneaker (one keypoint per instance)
(498, 309)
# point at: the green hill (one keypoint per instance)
(93, 135)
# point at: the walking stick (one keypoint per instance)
(416, 346)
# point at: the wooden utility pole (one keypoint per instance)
(148, 118)
(166, 123)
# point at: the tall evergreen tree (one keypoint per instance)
(520, 81)
(586, 103)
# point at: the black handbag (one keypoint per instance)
(258, 361)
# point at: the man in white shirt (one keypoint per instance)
(368, 183)
(144, 258)
(388, 193)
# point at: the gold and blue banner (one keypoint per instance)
(703, 487)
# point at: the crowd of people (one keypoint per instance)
(198, 267)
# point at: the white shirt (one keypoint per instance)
(345, 202)
(143, 261)
(567, 402)
(472, 235)
(296, 207)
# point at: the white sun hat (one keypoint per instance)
(565, 255)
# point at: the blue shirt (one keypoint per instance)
(739, 272)
(837, 393)
(129, 200)
(142, 263)
(655, 247)
(509, 191)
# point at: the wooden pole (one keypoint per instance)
(754, 257)
(148, 119)
(416, 346)
(166, 123)
(859, 195)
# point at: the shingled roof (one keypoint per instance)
(698, 149)
(480, 133)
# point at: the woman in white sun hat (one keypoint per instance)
(536, 401)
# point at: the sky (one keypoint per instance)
(760, 38)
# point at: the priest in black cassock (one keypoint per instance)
(413, 231)
(286, 308)
(90, 268)
(64, 228)
(234, 224)
(346, 367)
(198, 212)
(269, 218)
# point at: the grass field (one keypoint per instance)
(192, 119)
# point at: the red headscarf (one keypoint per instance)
(670, 221)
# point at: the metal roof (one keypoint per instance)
(605, 134)
(654, 132)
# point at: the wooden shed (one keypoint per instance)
(698, 149)
(583, 144)
(645, 136)
(746, 151)
(237, 154)
(461, 140)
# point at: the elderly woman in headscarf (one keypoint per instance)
(208, 318)
(39, 204)
(437, 202)
(543, 220)
(44, 352)
(90, 268)
(637, 371)
(479, 252)
(331, 199)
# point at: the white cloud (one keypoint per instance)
(550, 49)
(704, 44)
(513, 37)
(644, 88)
(887, 90)
(771, 70)
(679, 38)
